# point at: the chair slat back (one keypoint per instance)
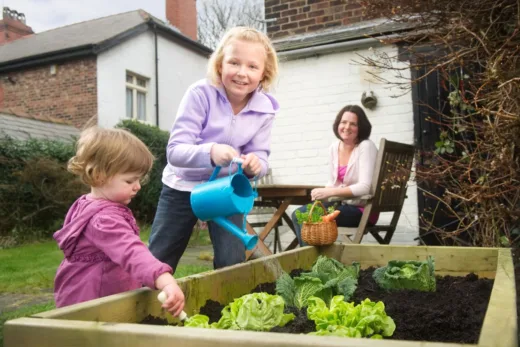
(392, 172)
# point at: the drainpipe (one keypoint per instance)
(156, 77)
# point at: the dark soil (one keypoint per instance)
(454, 313)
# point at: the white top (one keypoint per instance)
(360, 167)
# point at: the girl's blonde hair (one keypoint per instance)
(103, 153)
(249, 35)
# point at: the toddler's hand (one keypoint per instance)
(222, 154)
(175, 299)
(251, 164)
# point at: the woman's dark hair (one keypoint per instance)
(364, 126)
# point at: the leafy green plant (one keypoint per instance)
(445, 144)
(256, 311)
(368, 319)
(410, 274)
(328, 277)
(316, 215)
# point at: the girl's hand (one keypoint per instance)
(251, 164)
(221, 155)
(320, 193)
(174, 302)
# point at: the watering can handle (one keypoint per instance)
(239, 161)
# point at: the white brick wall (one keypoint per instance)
(311, 91)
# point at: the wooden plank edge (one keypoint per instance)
(500, 322)
(31, 332)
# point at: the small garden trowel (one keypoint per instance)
(162, 298)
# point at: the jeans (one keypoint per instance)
(173, 226)
(349, 217)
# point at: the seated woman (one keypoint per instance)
(351, 160)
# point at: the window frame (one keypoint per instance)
(135, 88)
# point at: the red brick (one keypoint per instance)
(298, 17)
(289, 26)
(299, 3)
(183, 15)
(328, 13)
(307, 22)
(71, 94)
(316, 13)
(271, 3)
(324, 19)
(280, 8)
(289, 13)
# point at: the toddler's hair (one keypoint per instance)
(249, 35)
(103, 153)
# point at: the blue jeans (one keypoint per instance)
(349, 217)
(173, 226)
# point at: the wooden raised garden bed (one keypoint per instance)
(113, 321)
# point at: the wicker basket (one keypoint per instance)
(320, 233)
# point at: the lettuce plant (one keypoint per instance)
(256, 311)
(327, 278)
(410, 274)
(368, 319)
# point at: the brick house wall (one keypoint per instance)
(68, 91)
(305, 16)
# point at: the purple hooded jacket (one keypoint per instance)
(103, 253)
(205, 117)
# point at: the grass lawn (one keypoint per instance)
(30, 269)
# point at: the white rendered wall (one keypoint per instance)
(178, 68)
(311, 91)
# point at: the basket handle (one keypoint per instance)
(312, 208)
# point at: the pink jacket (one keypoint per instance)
(103, 253)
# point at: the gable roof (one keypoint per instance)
(87, 38)
(21, 126)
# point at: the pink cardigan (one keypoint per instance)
(103, 253)
(360, 168)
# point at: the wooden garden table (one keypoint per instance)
(279, 196)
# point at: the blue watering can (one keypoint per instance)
(217, 199)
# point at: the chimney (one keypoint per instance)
(182, 14)
(12, 26)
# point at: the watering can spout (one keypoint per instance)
(248, 240)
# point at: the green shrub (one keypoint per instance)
(145, 203)
(36, 189)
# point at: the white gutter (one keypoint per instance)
(316, 51)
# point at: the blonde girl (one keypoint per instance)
(229, 114)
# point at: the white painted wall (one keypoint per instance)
(135, 55)
(311, 91)
(178, 68)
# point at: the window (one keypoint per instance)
(136, 91)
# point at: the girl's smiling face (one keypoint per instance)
(242, 69)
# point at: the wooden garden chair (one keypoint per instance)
(387, 192)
